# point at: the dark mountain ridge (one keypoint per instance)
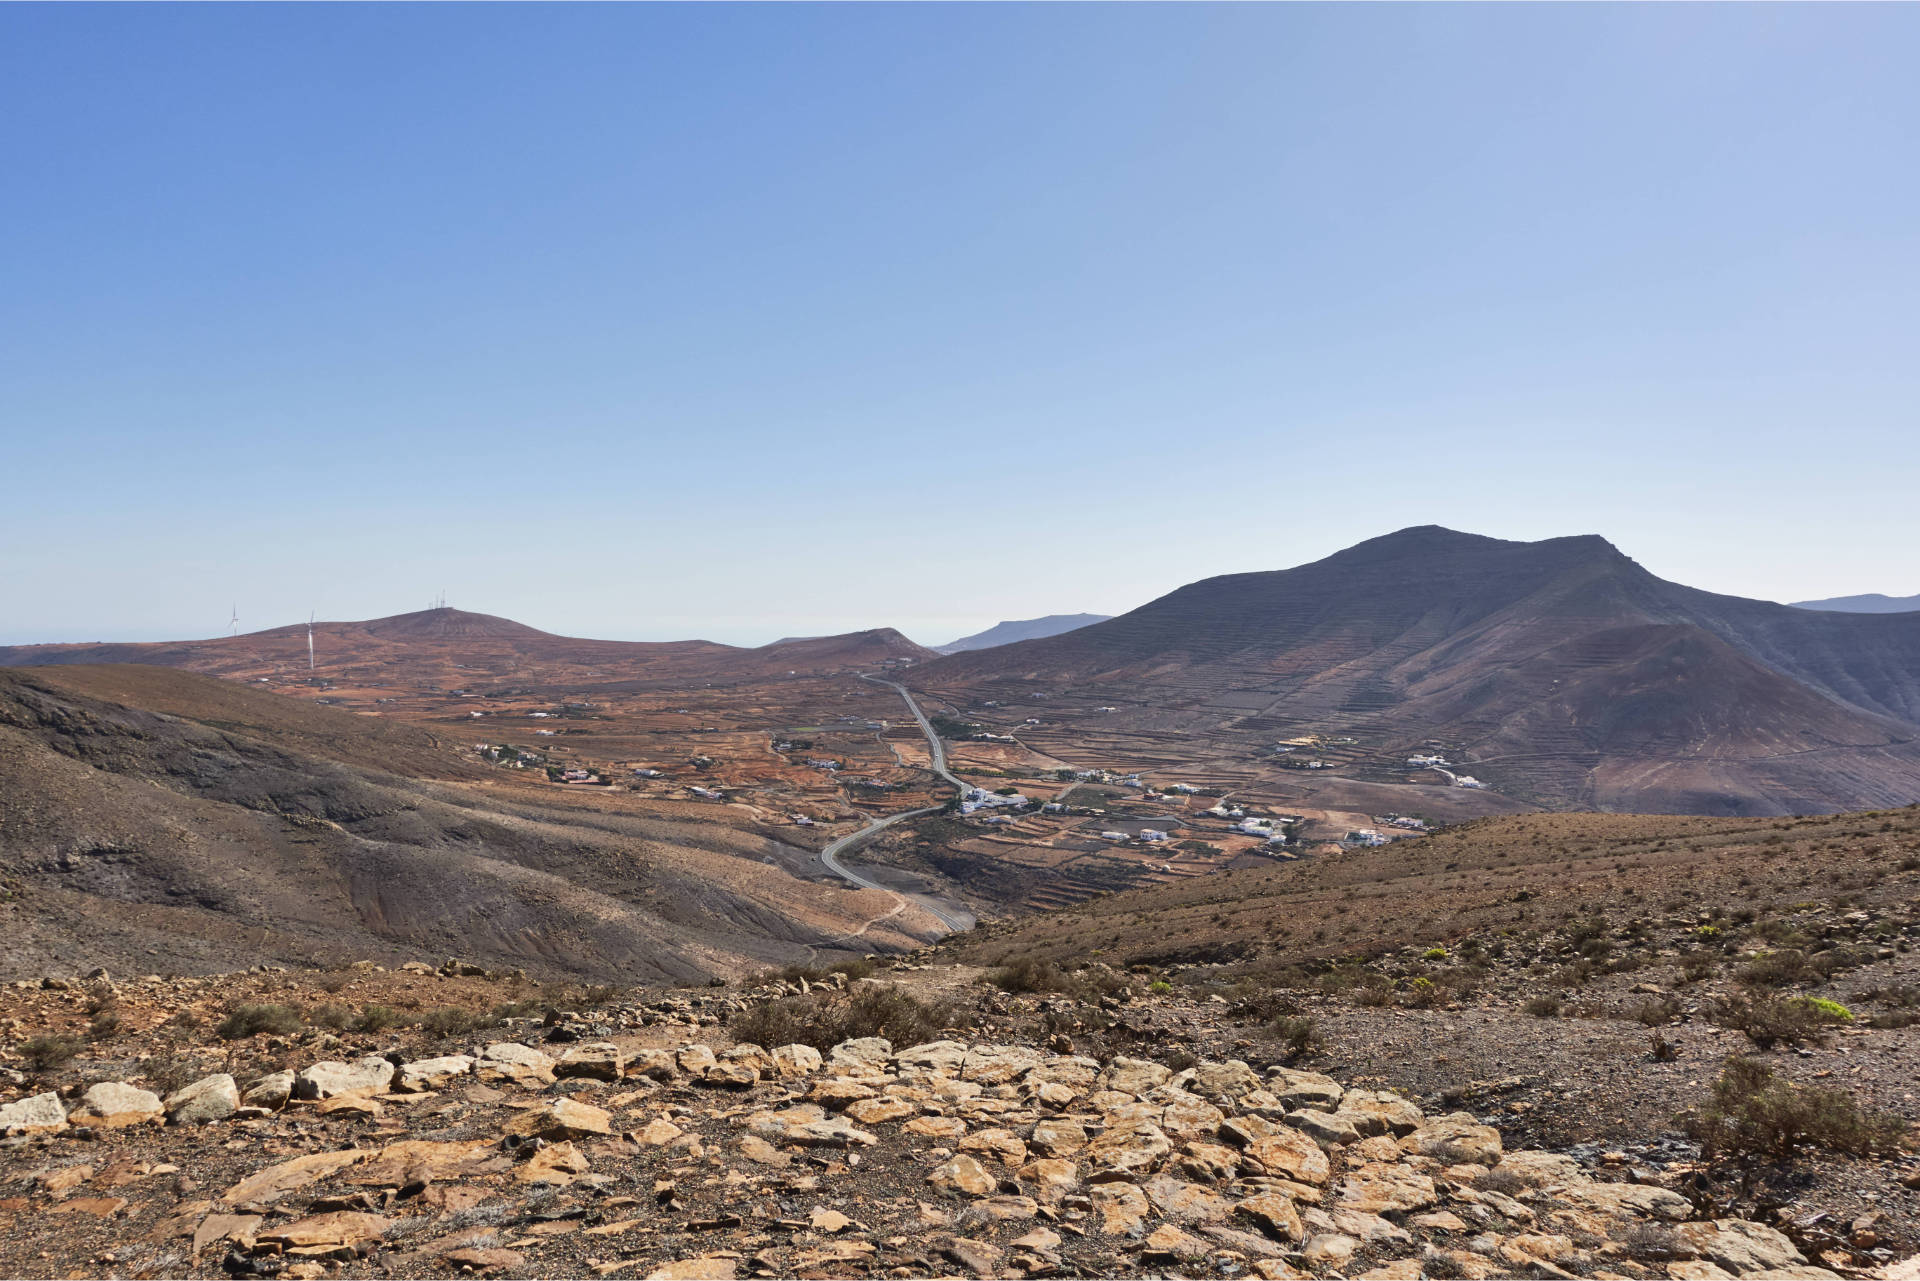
(1617, 688)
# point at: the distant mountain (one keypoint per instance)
(1871, 603)
(1569, 674)
(454, 647)
(1021, 629)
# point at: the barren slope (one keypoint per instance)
(238, 826)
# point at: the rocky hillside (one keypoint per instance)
(156, 819)
(919, 1123)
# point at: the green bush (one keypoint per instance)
(1434, 954)
(251, 1020)
(1832, 1011)
(1771, 1020)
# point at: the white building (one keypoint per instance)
(1152, 834)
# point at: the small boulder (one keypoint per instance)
(369, 1075)
(793, 1060)
(563, 1119)
(426, 1075)
(965, 1176)
(36, 1114)
(211, 1098)
(270, 1091)
(521, 1065)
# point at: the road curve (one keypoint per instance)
(830, 856)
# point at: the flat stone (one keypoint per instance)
(838, 1091)
(1289, 1154)
(1126, 1152)
(557, 1165)
(1628, 1200)
(1543, 1169)
(657, 1133)
(794, 1060)
(731, 1075)
(1049, 1179)
(428, 1161)
(594, 1060)
(965, 1176)
(935, 1127)
(1330, 1250)
(1057, 1136)
(1187, 1202)
(1273, 1214)
(114, 1104)
(1135, 1076)
(831, 1134)
(563, 1119)
(211, 1098)
(1122, 1208)
(1297, 1090)
(334, 1235)
(939, 1056)
(760, 1152)
(704, 1268)
(874, 1111)
(868, 1052)
(1001, 1144)
(1329, 1129)
(275, 1180)
(1741, 1246)
(1455, 1139)
(1380, 1188)
(1372, 1113)
(1219, 1082)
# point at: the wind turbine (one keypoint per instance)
(309, 640)
(233, 626)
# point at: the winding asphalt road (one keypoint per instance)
(830, 856)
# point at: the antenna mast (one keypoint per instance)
(309, 641)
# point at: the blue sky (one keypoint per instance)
(741, 321)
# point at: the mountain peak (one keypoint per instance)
(447, 623)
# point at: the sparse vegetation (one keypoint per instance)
(825, 1019)
(254, 1020)
(48, 1051)
(1753, 1113)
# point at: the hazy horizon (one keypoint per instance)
(741, 322)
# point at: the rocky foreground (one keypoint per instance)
(525, 1155)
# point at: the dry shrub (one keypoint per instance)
(251, 1020)
(1299, 1033)
(451, 1020)
(1752, 1113)
(48, 1051)
(824, 1019)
